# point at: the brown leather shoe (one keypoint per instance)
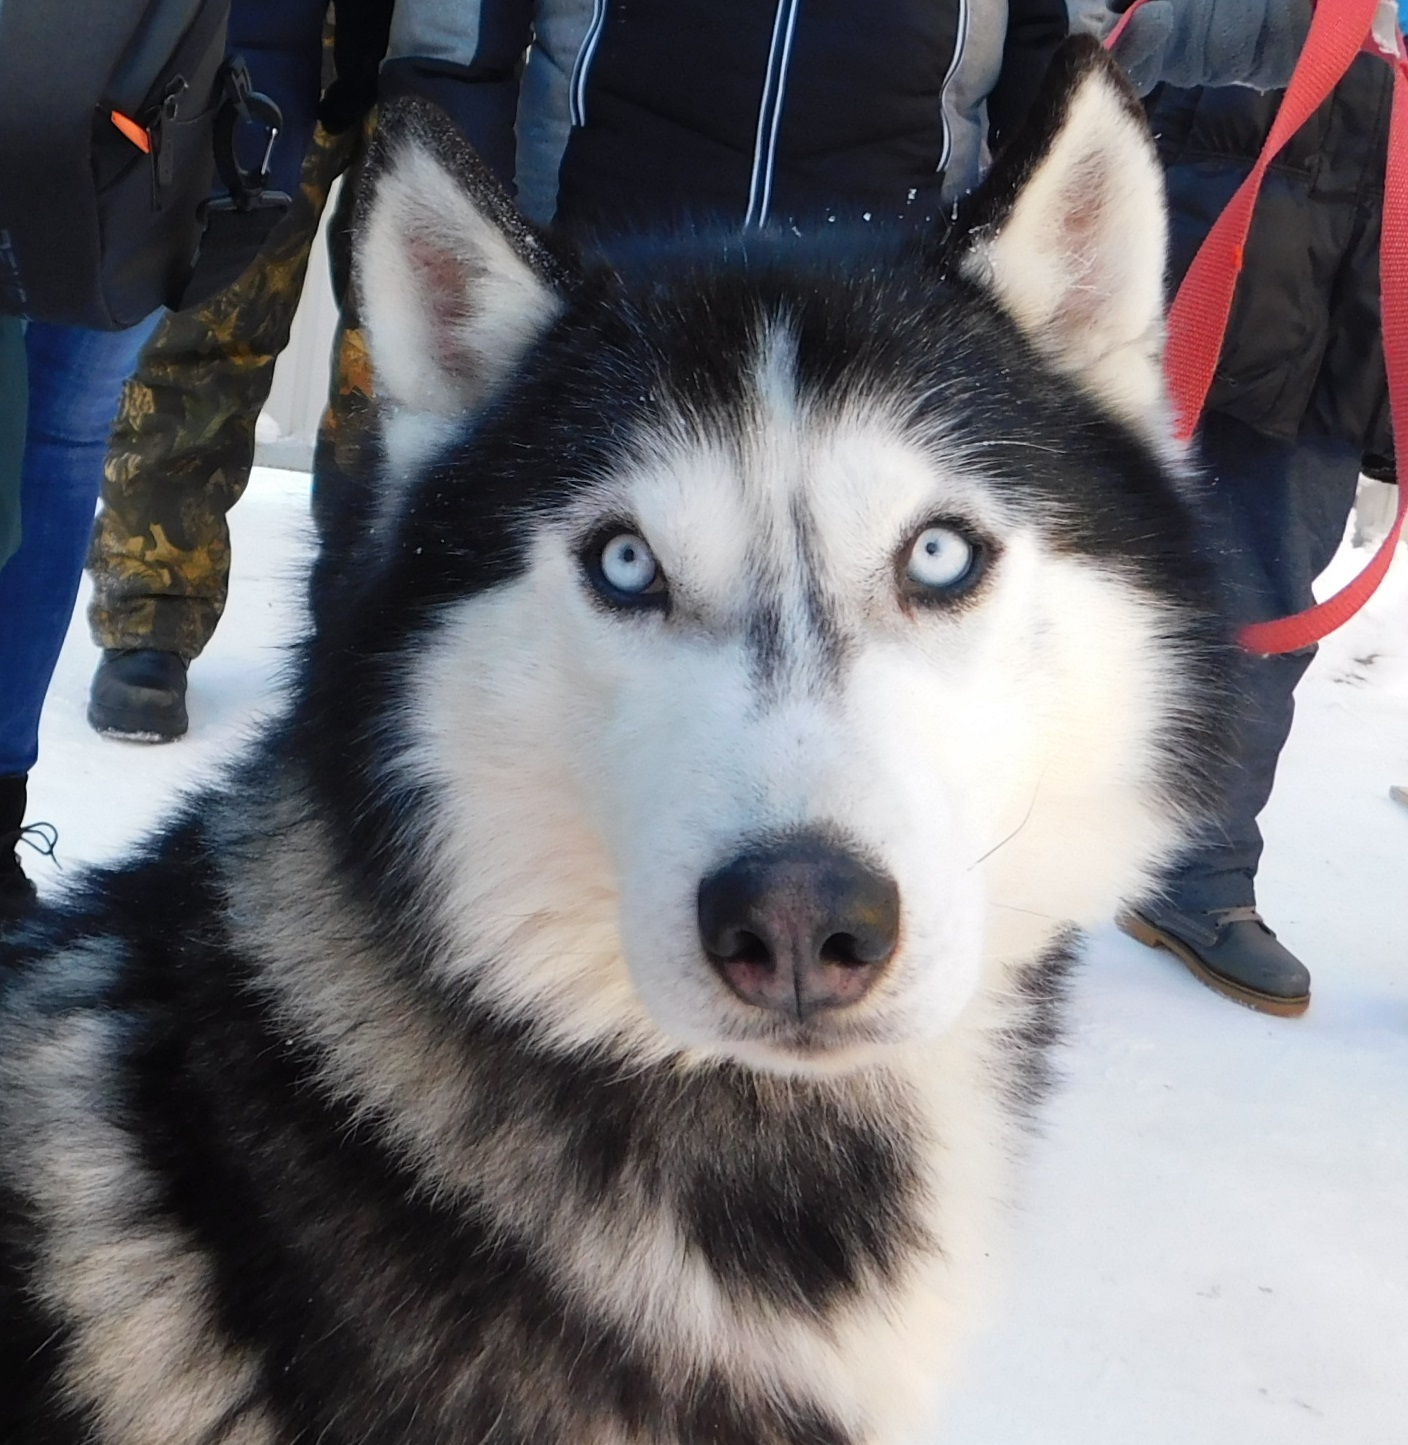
(1232, 951)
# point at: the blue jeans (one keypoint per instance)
(75, 383)
(1279, 509)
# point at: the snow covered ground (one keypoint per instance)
(1213, 1248)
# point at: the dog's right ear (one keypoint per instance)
(1068, 233)
(453, 284)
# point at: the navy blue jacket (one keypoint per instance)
(634, 112)
(1304, 350)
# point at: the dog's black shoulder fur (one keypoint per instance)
(339, 1264)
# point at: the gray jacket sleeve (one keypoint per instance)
(1202, 42)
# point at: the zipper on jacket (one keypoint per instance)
(577, 96)
(770, 114)
(960, 44)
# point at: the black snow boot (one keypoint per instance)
(16, 891)
(139, 695)
(1229, 949)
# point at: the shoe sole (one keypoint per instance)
(1142, 931)
(113, 724)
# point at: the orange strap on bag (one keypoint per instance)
(1197, 319)
(137, 134)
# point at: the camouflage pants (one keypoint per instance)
(183, 443)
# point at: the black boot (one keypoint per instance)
(16, 891)
(1229, 949)
(139, 695)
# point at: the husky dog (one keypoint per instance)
(606, 1011)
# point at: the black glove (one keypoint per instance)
(1213, 42)
(360, 31)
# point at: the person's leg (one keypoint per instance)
(15, 888)
(346, 457)
(14, 408)
(344, 464)
(183, 448)
(75, 377)
(1280, 511)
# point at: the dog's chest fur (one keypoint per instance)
(671, 1254)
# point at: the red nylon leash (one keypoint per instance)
(1113, 37)
(1197, 321)
(1302, 629)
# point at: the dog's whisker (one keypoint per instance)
(1002, 843)
(1030, 912)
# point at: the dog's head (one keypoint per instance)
(772, 641)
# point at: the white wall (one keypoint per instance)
(1375, 505)
(289, 426)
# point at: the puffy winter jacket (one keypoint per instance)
(753, 110)
(1303, 348)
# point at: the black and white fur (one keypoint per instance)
(391, 1094)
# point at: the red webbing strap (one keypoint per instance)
(1197, 319)
(1288, 634)
(1119, 26)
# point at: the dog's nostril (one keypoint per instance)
(843, 948)
(744, 947)
(799, 926)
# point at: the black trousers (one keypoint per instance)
(1278, 510)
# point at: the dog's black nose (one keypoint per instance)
(799, 926)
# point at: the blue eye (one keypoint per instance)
(623, 569)
(942, 561)
(628, 564)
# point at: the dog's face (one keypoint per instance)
(801, 638)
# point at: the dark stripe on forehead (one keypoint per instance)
(792, 629)
(766, 640)
(824, 625)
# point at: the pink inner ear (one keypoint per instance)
(1087, 198)
(446, 281)
(1084, 238)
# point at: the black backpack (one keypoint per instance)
(114, 118)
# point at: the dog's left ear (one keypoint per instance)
(453, 284)
(1069, 232)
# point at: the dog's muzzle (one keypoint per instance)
(799, 926)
